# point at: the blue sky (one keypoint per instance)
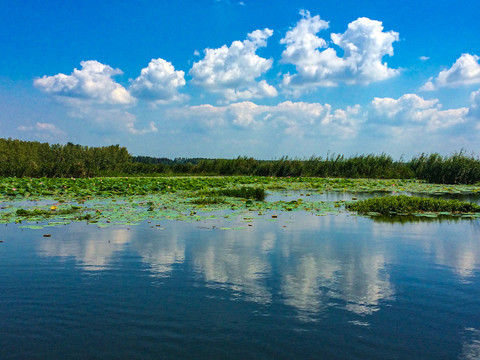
(262, 78)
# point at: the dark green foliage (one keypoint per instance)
(114, 186)
(455, 169)
(404, 204)
(244, 192)
(209, 200)
(165, 161)
(46, 213)
(360, 166)
(34, 159)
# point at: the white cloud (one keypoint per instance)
(413, 110)
(158, 82)
(260, 90)
(428, 86)
(91, 95)
(364, 45)
(93, 82)
(297, 119)
(243, 114)
(130, 126)
(204, 116)
(44, 131)
(302, 42)
(110, 119)
(232, 71)
(465, 71)
(314, 119)
(474, 112)
(475, 99)
(43, 128)
(424, 58)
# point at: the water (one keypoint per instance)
(302, 286)
(306, 195)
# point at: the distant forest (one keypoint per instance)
(34, 159)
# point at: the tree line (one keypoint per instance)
(34, 159)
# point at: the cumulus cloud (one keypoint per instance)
(93, 82)
(314, 119)
(150, 129)
(297, 119)
(244, 113)
(91, 94)
(232, 71)
(110, 119)
(364, 45)
(465, 71)
(158, 82)
(411, 109)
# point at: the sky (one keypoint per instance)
(228, 78)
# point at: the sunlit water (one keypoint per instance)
(299, 287)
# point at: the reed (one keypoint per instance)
(33, 159)
(403, 204)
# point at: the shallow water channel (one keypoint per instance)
(295, 285)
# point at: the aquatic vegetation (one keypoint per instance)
(403, 204)
(253, 186)
(52, 211)
(118, 186)
(126, 200)
(130, 210)
(421, 218)
(244, 192)
(208, 200)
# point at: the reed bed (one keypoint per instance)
(403, 204)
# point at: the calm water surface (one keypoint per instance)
(302, 286)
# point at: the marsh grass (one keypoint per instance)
(403, 204)
(47, 213)
(245, 192)
(208, 200)
(458, 168)
(34, 159)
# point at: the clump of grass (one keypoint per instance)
(209, 200)
(389, 205)
(47, 213)
(245, 192)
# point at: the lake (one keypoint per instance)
(294, 286)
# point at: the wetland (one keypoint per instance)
(236, 267)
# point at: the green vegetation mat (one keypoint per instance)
(407, 205)
(215, 185)
(36, 203)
